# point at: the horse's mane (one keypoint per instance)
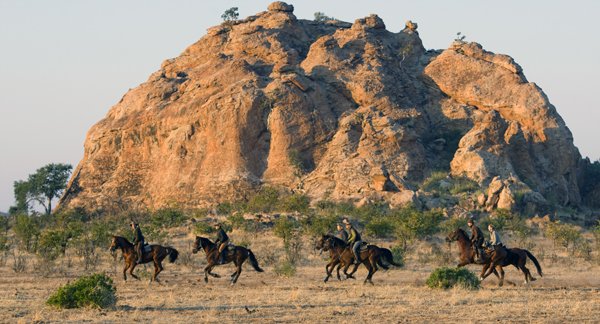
(336, 240)
(124, 241)
(206, 241)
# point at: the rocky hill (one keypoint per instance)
(349, 111)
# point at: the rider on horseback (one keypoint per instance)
(354, 238)
(343, 233)
(476, 239)
(138, 240)
(221, 242)
(494, 237)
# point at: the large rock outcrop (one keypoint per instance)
(347, 110)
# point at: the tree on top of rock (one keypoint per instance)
(230, 15)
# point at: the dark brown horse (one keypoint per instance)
(156, 255)
(369, 258)
(212, 256)
(492, 261)
(518, 258)
(323, 244)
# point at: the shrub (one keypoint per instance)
(168, 217)
(264, 201)
(451, 224)
(96, 291)
(443, 278)
(379, 227)
(398, 253)
(461, 184)
(433, 182)
(52, 244)
(317, 226)
(4, 245)
(563, 234)
(287, 269)
(299, 203)
(203, 228)
(25, 229)
(410, 223)
(237, 221)
(284, 228)
(243, 242)
(224, 208)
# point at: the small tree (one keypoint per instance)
(321, 16)
(459, 37)
(46, 184)
(230, 15)
(25, 229)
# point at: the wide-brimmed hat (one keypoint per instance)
(345, 221)
(217, 224)
(471, 221)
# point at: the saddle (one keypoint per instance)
(364, 246)
(146, 248)
(230, 249)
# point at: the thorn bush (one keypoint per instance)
(95, 291)
(444, 278)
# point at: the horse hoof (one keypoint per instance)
(206, 280)
(480, 279)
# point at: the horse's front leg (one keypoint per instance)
(125, 270)
(483, 270)
(133, 265)
(491, 267)
(207, 271)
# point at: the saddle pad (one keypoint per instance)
(364, 246)
(230, 249)
(146, 248)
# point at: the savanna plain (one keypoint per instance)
(568, 292)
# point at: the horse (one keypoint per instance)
(518, 258)
(369, 257)
(212, 256)
(467, 254)
(156, 255)
(323, 244)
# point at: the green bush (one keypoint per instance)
(433, 182)
(398, 253)
(265, 201)
(287, 269)
(224, 208)
(237, 221)
(410, 223)
(461, 184)
(25, 229)
(563, 234)
(443, 278)
(379, 227)
(284, 228)
(168, 217)
(4, 245)
(203, 228)
(52, 244)
(96, 291)
(451, 224)
(318, 225)
(299, 203)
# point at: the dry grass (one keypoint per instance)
(565, 294)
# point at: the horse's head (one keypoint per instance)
(115, 244)
(197, 244)
(453, 236)
(320, 245)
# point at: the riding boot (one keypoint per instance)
(222, 259)
(357, 258)
(478, 255)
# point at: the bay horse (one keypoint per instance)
(213, 256)
(467, 255)
(324, 245)
(369, 258)
(156, 255)
(518, 258)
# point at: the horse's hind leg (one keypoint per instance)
(371, 273)
(157, 269)
(501, 282)
(485, 267)
(239, 271)
(338, 271)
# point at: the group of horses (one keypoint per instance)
(372, 257)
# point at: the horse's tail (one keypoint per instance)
(254, 262)
(173, 254)
(535, 261)
(382, 265)
(389, 257)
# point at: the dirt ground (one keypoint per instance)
(566, 293)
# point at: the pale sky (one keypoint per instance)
(64, 64)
